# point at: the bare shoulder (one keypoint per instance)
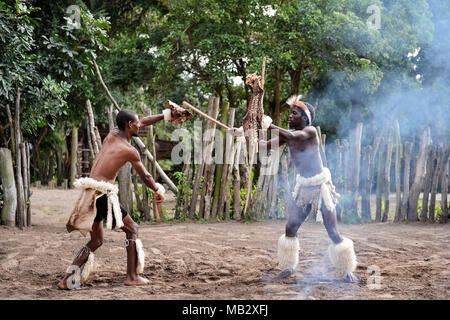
(311, 130)
(133, 154)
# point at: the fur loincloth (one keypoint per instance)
(315, 189)
(83, 215)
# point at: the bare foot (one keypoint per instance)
(352, 278)
(285, 273)
(139, 281)
(62, 285)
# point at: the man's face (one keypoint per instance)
(296, 120)
(134, 126)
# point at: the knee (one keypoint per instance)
(132, 231)
(291, 229)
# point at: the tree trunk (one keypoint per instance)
(20, 215)
(73, 157)
(109, 111)
(156, 212)
(419, 176)
(431, 159)
(398, 193)
(27, 153)
(276, 114)
(13, 136)
(387, 175)
(9, 188)
(406, 174)
(51, 167)
(26, 186)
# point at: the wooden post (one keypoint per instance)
(109, 111)
(73, 157)
(12, 131)
(419, 176)
(210, 165)
(201, 167)
(237, 182)
(91, 130)
(338, 169)
(227, 164)
(9, 188)
(380, 185)
(430, 167)
(354, 174)
(406, 174)
(398, 194)
(220, 166)
(444, 192)
(157, 213)
(365, 194)
(441, 162)
(387, 175)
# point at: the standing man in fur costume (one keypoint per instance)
(313, 190)
(99, 199)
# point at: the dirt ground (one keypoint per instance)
(227, 260)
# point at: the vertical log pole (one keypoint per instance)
(431, 159)
(220, 166)
(227, 164)
(406, 174)
(419, 176)
(398, 194)
(444, 192)
(387, 175)
(156, 207)
(441, 162)
(210, 165)
(365, 196)
(25, 185)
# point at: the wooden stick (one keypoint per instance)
(206, 116)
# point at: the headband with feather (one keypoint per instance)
(294, 101)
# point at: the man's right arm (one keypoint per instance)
(145, 176)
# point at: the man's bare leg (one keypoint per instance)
(95, 242)
(296, 217)
(131, 231)
(330, 222)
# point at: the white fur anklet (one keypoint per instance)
(87, 268)
(342, 255)
(167, 114)
(140, 257)
(288, 252)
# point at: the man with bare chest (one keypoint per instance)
(313, 190)
(99, 200)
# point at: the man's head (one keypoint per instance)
(128, 121)
(302, 113)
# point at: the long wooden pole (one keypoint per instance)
(206, 116)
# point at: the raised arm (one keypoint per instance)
(149, 120)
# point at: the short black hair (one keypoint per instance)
(311, 109)
(123, 117)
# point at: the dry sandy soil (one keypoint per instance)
(227, 260)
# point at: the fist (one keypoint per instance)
(159, 198)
